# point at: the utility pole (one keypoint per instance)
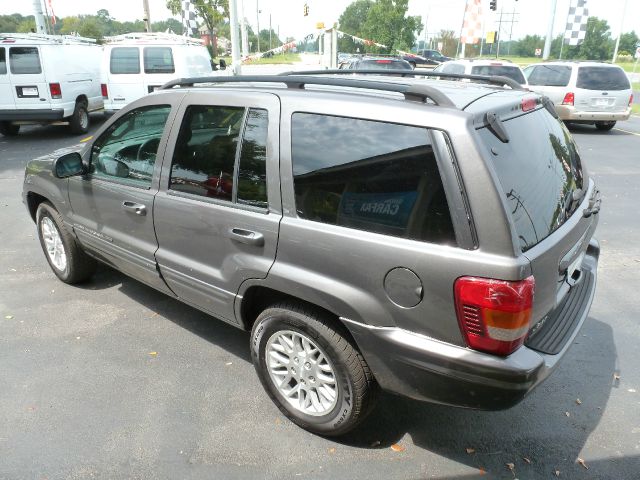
(244, 40)
(235, 53)
(615, 50)
(499, 32)
(41, 24)
(547, 42)
(258, 23)
(270, 47)
(147, 17)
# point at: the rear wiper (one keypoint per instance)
(496, 127)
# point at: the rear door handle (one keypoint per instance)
(133, 207)
(246, 236)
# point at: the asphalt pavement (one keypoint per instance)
(113, 380)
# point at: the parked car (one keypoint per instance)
(374, 62)
(424, 58)
(135, 64)
(484, 67)
(584, 92)
(48, 78)
(369, 231)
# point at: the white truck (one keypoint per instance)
(135, 64)
(48, 79)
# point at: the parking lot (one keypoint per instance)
(112, 379)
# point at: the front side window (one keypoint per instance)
(452, 68)
(24, 60)
(367, 175)
(125, 60)
(127, 150)
(158, 60)
(205, 154)
(3, 61)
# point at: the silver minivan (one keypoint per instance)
(584, 92)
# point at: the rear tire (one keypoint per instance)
(66, 258)
(9, 129)
(605, 126)
(79, 121)
(311, 370)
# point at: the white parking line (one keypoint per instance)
(627, 131)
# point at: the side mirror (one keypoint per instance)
(68, 165)
(222, 65)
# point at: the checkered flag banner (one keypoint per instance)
(472, 22)
(189, 18)
(576, 22)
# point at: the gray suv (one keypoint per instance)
(425, 237)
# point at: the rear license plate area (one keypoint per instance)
(27, 92)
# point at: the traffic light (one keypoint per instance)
(493, 5)
(306, 10)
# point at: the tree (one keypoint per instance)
(449, 41)
(212, 12)
(27, 25)
(351, 21)
(387, 23)
(526, 47)
(628, 42)
(597, 44)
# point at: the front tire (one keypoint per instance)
(79, 120)
(67, 260)
(9, 129)
(605, 126)
(311, 370)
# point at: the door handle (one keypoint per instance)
(136, 208)
(246, 236)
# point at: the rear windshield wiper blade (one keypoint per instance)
(496, 127)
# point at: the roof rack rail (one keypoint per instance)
(498, 80)
(151, 37)
(61, 39)
(413, 92)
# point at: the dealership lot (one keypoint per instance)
(115, 380)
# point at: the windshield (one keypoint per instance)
(503, 70)
(384, 65)
(602, 78)
(539, 170)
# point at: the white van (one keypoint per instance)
(135, 64)
(46, 79)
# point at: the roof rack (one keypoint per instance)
(420, 93)
(498, 80)
(152, 37)
(59, 39)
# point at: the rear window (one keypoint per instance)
(538, 169)
(125, 60)
(383, 65)
(513, 73)
(602, 78)
(158, 60)
(3, 61)
(24, 60)
(374, 176)
(549, 75)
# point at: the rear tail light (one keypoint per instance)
(568, 99)
(494, 315)
(528, 104)
(105, 92)
(631, 99)
(383, 61)
(55, 90)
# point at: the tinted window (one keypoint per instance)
(370, 176)
(3, 61)
(158, 60)
(549, 75)
(602, 78)
(538, 169)
(252, 173)
(452, 68)
(513, 73)
(125, 60)
(127, 149)
(24, 60)
(383, 65)
(205, 153)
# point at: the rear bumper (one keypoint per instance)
(32, 115)
(569, 113)
(423, 368)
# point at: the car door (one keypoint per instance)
(125, 78)
(218, 210)
(113, 204)
(28, 81)
(7, 101)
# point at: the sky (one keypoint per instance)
(287, 15)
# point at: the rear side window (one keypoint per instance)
(539, 169)
(549, 75)
(453, 68)
(158, 60)
(125, 60)
(513, 73)
(602, 78)
(366, 175)
(3, 61)
(24, 60)
(252, 172)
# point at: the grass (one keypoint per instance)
(278, 59)
(635, 109)
(635, 86)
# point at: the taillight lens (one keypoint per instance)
(494, 315)
(528, 104)
(631, 99)
(55, 90)
(105, 92)
(569, 98)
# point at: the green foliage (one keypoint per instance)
(628, 42)
(449, 42)
(27, 25)
(527, 46)
(211, 12)
(351, 21)
(597, 44)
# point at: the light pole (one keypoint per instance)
(258, 23)
(270, 47)
(547, 42)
